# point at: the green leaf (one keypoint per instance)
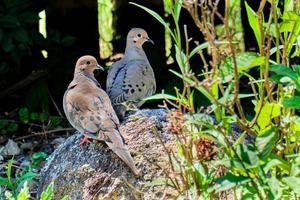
(266, 141)
(248, 155)
(39, 155)
(229, 181)
(200, 88)
(292, 18)
(165, 96)
(9, 174)
(28, 176)
(3, 181)
(245, 61)
(24, 193)
(47, 195)
(254, 23)
(293, 102)
(285, 71)
(13, 127)
(65, 197)
(275, 162)
(295, 169)
(44, 116)
(55, 121)
(275, 187)
(34, 116)
(198, 48)
(24, 178)
(24, 115)
(276, 78)
(297, 69)
(267, 113)
(156, 16)
(181, 58)
(293, 183)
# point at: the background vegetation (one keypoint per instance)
(228, 67)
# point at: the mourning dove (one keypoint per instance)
(131, 79)
(89, 110)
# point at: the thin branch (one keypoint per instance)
(44, 133)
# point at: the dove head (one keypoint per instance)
(86, 65)
(138, 37)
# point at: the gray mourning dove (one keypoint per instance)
(89, 110)
(131, 79)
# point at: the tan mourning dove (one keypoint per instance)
(89, 110)
(131, 79)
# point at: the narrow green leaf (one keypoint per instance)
(65, 198)
(254, 23)
(8, 173)
(166, 96)
(190, 81)
(199, 48)
(47, 195)
(229, 181)
(181, 58)
(156, 16)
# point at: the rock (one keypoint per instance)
(94, 171)
(57, 141)
(27, 146)
(11, 149)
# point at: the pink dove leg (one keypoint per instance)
(84, 141)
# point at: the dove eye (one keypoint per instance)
(139, 35)
(88, 62)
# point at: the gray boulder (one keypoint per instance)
(93, 171)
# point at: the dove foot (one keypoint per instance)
(85, 141)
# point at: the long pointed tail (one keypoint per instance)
(118, 147)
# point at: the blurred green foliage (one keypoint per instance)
(17, 33)
(106, 26)
(15, 182)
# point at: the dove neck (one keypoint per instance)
(81, 76)
(133, 52)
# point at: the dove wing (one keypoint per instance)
(130, 80)
(89, 110)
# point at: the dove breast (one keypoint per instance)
(89, 110)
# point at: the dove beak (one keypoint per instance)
(99, 67)
(149, 40)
